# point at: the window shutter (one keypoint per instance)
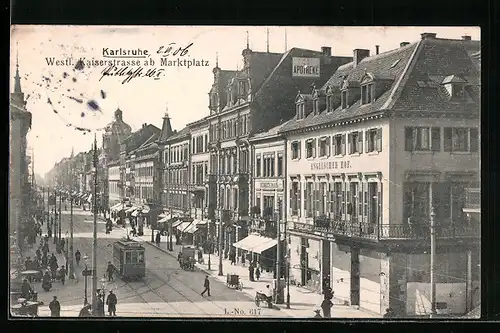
(447, 146)
(343, 144)
(349, 143)
(334, 146)
(343, 201)
(474, 140)
(436, 138)
(348, 199)
(299, 199)
(379, 139)
(316, 199)
(291, 201)
(360, 201)
(367, 144)
(360, 142)
(409, 139)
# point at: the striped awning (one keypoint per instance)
(177, 223)
(130, 209)
(134, 213)
(146, 209)
(183, 226)
(117, 206)
(254, 243)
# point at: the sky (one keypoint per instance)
(70, 103)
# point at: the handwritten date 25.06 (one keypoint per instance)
(130, 73)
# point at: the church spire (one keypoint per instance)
(166, 128)
(17, 78)
(216, 59)
(248, 42)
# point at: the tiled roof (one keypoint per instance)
(180, 135)
(136, 139)
(261, 65)
(404, 69)
(267, 134)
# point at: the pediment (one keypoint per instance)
(367, 77)
(300, 98)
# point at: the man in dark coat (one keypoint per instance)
(78, 256)
(62, 275)
(26, 289)
(55, 308)
(111, 303)
(53, 266)
(109, 271)
(326, 306)
(206, 284)
(85, 311)
(158, 239)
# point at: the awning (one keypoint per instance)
(177, 223)
(264, 246)
(183, 225)
(117, 206)
(134, 213)
(89, 198)
(254, 243)
(192, 228)
(247, 242)
(146, 210)
(161, 216)
(163, 219)
(130, 209)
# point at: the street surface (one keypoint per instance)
(167, 290)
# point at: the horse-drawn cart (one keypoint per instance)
(233, 281)
(186, 258)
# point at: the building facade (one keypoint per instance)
(244, 102)
(389, 142)
(20, 124)
(200, 158)
(114, 182)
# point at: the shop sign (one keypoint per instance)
(330, 165)
(305, 67)
(272, 185)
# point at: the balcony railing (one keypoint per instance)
(372, 231)
(472, 198)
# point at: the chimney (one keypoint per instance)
(403, 44)
(327, 51)
(359, 54)
(377, 49)
(428, 35)
(466, 37)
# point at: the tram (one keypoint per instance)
(129, 259)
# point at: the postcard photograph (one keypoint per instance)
(244, 172)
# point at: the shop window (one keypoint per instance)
(295, 147)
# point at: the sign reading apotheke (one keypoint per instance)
(331, 165)
(305, 67)
(269, 185)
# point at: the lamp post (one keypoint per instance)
(287, 256)
(66, 237)
(55, 217)
(433, 263)
(60, 221)
(71, 262)
(103, 294)
(94, 245)
(85, 274)
(221, 273)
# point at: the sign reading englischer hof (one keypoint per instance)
(305, 67)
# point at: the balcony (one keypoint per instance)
(265, 229)
(384, 232)
(472, 200)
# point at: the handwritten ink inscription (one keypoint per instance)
(130, 73)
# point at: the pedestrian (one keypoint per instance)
(53, 266)
(62, 274)
(45, 260)
(326, 306)
(318, 314)
(100, 311)
(158, 239)
(389, 313)
(257, 272)
(109, 271)
(269, 295)
(78, 256)
(26, 289)
(232, 257)
(85, 311)
(111, 303)
(55, 308)
(206, 285)
(251, 271)
(38, 255)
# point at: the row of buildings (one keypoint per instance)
(354, 155)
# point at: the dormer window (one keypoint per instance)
(300, 108)
(316, 106)
(329, 100)
(367, 95)
(344, 99)
(455, 86)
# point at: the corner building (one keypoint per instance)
(388, 141)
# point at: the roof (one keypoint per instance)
(183, 133)
(166, 129)
(410, 73)
(136, 139)
(271, 133)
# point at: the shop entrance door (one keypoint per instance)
(354, 276)
(304, 261)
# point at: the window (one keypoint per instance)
(206, 142)
(461, 139)
(339, 144)
(422, 138)
(280, 164)
(258, 166)
(295, 198)
(310, 149)
(309, 197)
(295, 147)
(367, 93)
(300, 111)
(268, 165)
(457, 91)
(355, 142)
(324, 146)
(316, 106)
(343, 98)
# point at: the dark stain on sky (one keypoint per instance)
(78, 100)
(65, 75)
(93, 105)
(49, 101)
(103, 94)
(74, 79)
(46, 78)
(55, 111)
(82, 114)
(79, 65)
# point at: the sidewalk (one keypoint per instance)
(303, 302)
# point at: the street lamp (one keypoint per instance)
(85, 274)
(103, 294)
(66, 237)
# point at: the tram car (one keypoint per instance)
(129, 259)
